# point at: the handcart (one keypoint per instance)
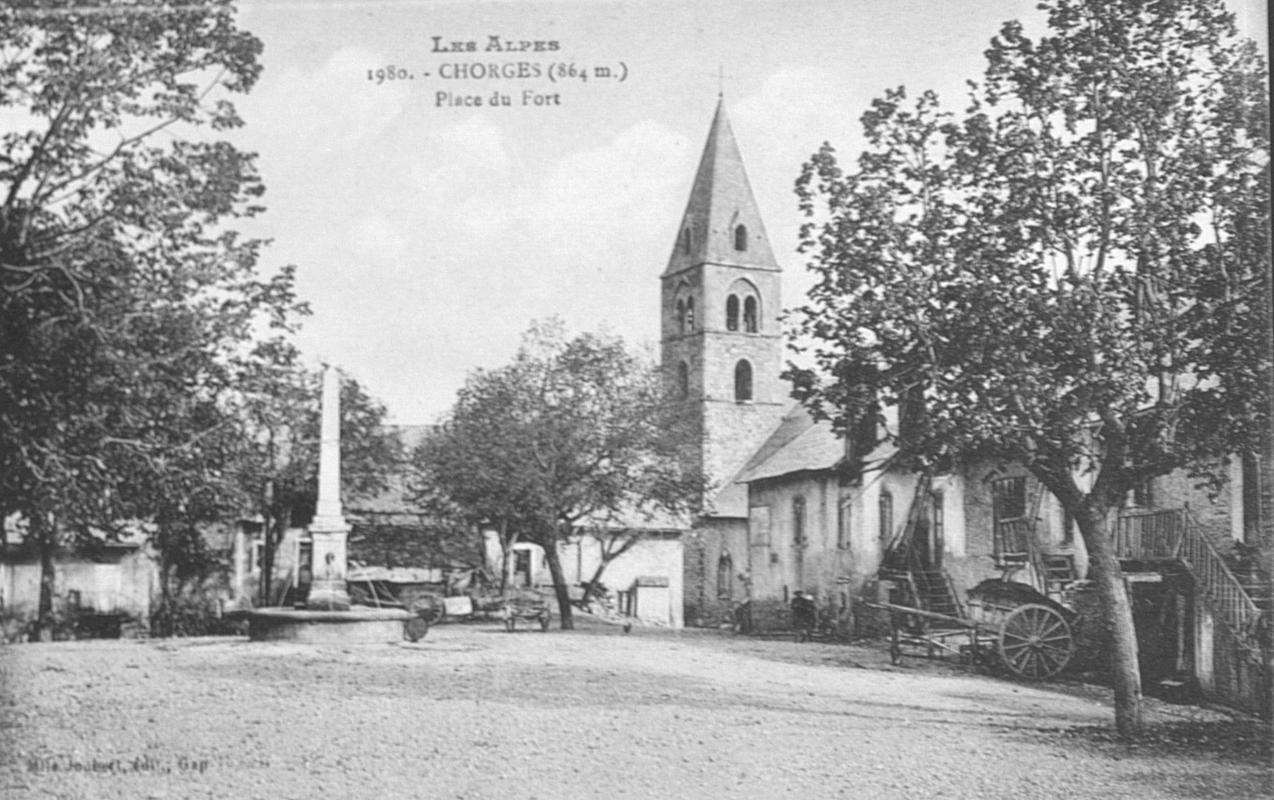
(1032, 640)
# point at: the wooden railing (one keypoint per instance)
(1013, 537)
(1150, 535)
(1175, 535)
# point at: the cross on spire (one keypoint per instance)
(721, 76)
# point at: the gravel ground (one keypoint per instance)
(474, 712)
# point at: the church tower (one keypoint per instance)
(721, 341)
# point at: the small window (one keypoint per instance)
(725, 576)
(732, 313)
(886, 508)
(681, 315)
(685, 241)
(1250, 494)
(842, 524)
(759, 526)
(742, 381)
(683, 380)
(1009, 498)
(1143, 495)
(740, 238)
(798, 521)
(749, 315)
(690, 315)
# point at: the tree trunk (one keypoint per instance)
(559, 584)
(507, 541)
(267, 562)
(596, 579)
(165, 592)
(1109, 578)
(1265, 540)
(46, 536)
(609, 553)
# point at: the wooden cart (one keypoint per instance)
(1032, 641)
(527, 607)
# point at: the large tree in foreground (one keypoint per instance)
(1067, 274)
(128, 306)
(575, 431)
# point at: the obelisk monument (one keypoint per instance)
(328, 531)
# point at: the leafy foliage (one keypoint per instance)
(575, 431)
(129, 311)
(1069, 273)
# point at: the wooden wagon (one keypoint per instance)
(1016, 628)
(526, 606)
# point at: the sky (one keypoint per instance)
(429, 231)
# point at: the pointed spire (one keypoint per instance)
(722, 213)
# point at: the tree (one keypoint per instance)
(1066, 275)
(127, 307)
(573, 431)
(613, 541)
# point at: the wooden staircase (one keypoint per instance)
(1018, 555)
(922, 585)
(1059, 573)
(934, 592)
(1173, 535)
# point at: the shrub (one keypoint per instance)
(192, 615)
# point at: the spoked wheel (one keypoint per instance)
(1035, 642)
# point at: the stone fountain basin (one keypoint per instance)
(359, 625)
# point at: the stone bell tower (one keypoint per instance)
(721, 341)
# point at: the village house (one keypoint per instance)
(406, 546)
(792, 511)
(104, 588)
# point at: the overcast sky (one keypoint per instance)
(428, 234)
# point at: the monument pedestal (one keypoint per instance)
(327, 587)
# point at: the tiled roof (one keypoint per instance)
(721, 199)
(799, 444)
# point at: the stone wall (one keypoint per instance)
(704, 546)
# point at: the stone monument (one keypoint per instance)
(329, 531)
(327, 617)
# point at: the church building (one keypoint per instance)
(722, 345)
(791, 506)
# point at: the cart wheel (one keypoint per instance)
(544, 622)
(1035, 642)
(415, 629)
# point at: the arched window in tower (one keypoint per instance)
(681, 316)
(683, 380)
(749, 314)
(732, 313)
(685, 241)
(741, 237)
(690, 316)
(742, 381)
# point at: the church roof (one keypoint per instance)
(720, 201)
(799, 444)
